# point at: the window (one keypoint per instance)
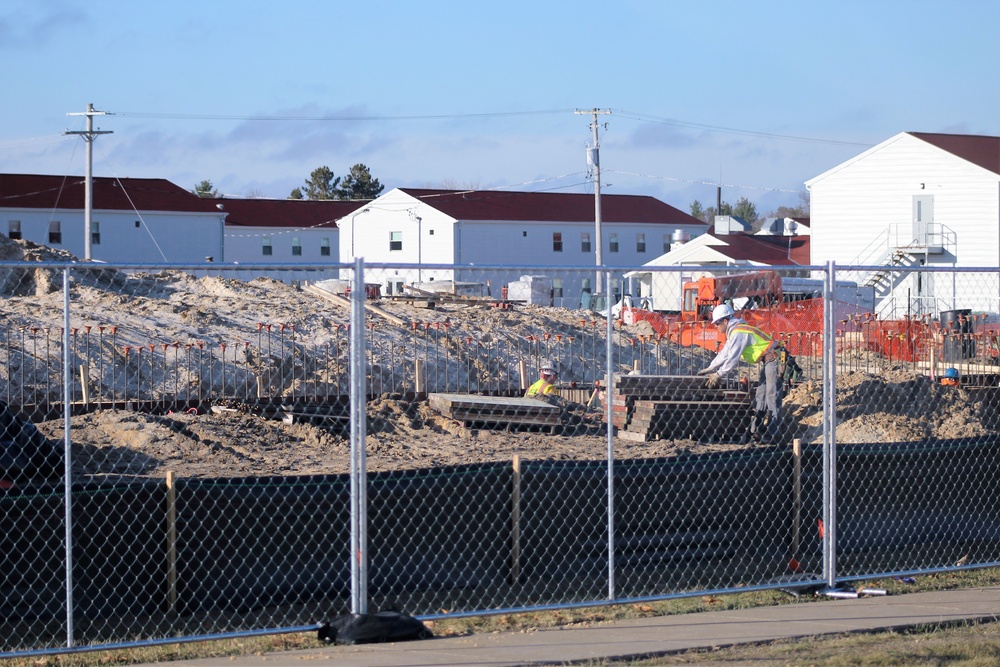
(640, 243)
(524, 234)
(556, 241)
(14, 229)
(267, 249)
(395, 240)
(55, 232)
(95, 232)
(666, 243)
(138, 224)
(324, 247)
(557, 287)
(613, 242)
(296, 246)
(585, 242)
(585, 285)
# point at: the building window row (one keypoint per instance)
(267, 246)
(613, 246)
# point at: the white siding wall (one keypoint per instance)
(245, 245)
(530, 244)
(852, 205)
(493, 243)
(160, 237)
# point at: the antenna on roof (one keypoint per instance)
(88, 200)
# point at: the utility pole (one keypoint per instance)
(594, 158)
(88, 200)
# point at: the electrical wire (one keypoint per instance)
(684, 180)
(132, 204)
(495, 114)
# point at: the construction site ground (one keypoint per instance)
(879, 402)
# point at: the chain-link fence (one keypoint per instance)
(192, 451)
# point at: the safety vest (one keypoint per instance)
(542, 387)
(761, 345)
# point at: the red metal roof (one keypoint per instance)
(551, 207)
(977, 149)
(285, 212)
(772, 250)
(114, 194)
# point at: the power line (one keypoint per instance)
(496, 114)
(685, 180)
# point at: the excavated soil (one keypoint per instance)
(890, 404)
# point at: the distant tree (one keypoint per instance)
(255, 193)
(321, 184)
(711, 212)
(205, 189)
(746, 210)
(697, 210)
(800, 211)
(452, 184)
(296, 194)
(359, 184)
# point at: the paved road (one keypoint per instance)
(644, 636)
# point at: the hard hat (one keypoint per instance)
(721, 312)
(951, 373)
(548, 368)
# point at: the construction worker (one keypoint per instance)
(545, 386)
(755, 347)
(951, 377)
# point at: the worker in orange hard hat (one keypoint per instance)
(756, 348)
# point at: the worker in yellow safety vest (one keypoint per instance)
(545, 386)
(756, 348)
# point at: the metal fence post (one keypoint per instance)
(608, 374)
(358, 396)
(67, 461)
(829, 429)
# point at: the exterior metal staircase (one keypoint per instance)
(896, 250)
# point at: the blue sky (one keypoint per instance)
(253, 95)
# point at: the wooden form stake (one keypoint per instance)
(796, 494)
(419, 377)
(515, 521)
(84, 385)
(171, 544)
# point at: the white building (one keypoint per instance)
(413, 228)
(286, 231)
(729, 245)
(134, 220)
(916, 199)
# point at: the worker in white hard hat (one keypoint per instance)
(756, 348)
(545, 386)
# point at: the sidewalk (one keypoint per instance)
(641, 637)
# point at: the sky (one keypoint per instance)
(253, 95)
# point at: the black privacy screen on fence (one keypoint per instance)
(907, 506)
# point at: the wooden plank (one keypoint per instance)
(343, 301)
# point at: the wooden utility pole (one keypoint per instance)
(594, 159)
(88, 200)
